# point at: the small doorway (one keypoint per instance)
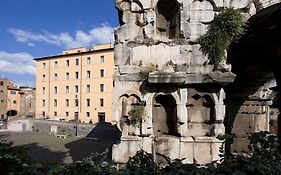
(101, 116)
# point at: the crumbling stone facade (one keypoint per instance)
(159, 67)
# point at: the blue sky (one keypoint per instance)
(38, 28)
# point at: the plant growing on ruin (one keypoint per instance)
(226, 27)
(135, 114)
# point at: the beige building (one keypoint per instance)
(76, 85)
(14, 101)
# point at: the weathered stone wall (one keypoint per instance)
(160, 66)
(59, 127)
(46, 126)
(20, 125)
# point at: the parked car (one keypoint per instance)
(2, 123)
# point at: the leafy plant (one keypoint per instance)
(12, 159)
(135, 114)
(141, 163)
(226, 27)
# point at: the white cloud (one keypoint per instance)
(97, 35)
(18, 63)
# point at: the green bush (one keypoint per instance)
(263, 159)
(12, 159)
(136, 114)
(226, 27)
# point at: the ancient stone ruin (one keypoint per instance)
(168, 99)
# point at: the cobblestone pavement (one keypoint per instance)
(48, 148)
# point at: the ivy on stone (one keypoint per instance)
(136, 114)
(227, 26)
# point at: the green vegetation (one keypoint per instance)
(263, 159)
(135, 114)
(226, 27)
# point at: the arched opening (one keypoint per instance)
(168, 18)
(12, 113)
(201, 113)
(254, 59)
(165, 115)
(124, 104)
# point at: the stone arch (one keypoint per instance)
(164, 115)
(12, 113)
(254, 59)
(201, 113)
(268, 3)
(123, 106)
(168, 18)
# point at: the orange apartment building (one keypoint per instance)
(76, 85)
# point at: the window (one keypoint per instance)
(44, 77)
(66, 114)
(55, 90)
(55, 114)
(102, 73)
(44, 65)
(101, 87)
(88, 102)
(102, 59)
(76, 102)
(76, 116)
(76, 62)
(88, 74)
(67, 63)
(56, 77)
(43, 90)
(55, 102)
(101, 102)
(14, 101)
(67, 89)
(89, 60)
(88, 88)
(88, 114)
(76, 88)
(13, 92)
(76, 75)
(2, 101)
(1, 83)
(67, 75)
(101, 116)
(67, 102)
(43, 103)
(56, 64)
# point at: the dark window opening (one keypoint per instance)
(168, 18)
(165, 115)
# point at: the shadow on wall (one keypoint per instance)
(99, 140)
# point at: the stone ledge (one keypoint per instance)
(131, 138)
(177, 77)
(167, 77)
(207, 140)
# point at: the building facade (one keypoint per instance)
(76, 85)
(27, 103)
(14, 101)
(3, 98)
